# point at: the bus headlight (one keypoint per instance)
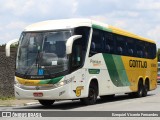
(62, 83)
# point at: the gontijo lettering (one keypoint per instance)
(138, 64)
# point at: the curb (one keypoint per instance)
(24, 104)
(31, 103)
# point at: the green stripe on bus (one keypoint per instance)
(51, 81)
(121, 70)
(110, 64)
(116, 70)
(101, 28)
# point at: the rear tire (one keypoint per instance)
(140, 91)
(92, 95)
(46, 102)
(145, 89)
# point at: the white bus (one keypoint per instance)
(82, 59)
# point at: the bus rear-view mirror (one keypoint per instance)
(70, 41)
(8, 45)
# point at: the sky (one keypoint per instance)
(141, 17)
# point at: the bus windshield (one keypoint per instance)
(42, 53)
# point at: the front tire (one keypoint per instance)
(46, 102)
(92, 95)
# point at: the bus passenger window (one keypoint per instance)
(120, 50)
(92, 49)
(147, 50)
(107, 48)
(120, 45)
(109, 43)
(97, 42)
(130, 47)
(130, 51)
(140, 49)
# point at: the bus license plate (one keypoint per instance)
(38, 94)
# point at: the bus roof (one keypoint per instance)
(77, 22)
(58, 24)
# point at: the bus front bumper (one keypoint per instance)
(63, 92)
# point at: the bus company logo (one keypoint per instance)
(95, 62)
(78, 90)
(138, 64)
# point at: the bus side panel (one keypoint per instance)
(154, 66)
(110, 73)
(137, 68)
(78, 83)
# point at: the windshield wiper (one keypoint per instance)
(36, 64)
(29, 69)
(37, 60)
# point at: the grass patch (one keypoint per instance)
(7, 98)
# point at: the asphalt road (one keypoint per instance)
(119, 103)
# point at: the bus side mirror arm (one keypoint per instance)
(70, 41)
(7, 48)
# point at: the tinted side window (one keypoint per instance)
(97, 42)
(131, 47)
(109, 43)
(147, 48)
(152, 50)
(140, 48)
(121, 45)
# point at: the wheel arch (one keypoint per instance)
(140, 79)
(93, 80)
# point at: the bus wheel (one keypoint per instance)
(46, 102)
(145, 89)
(92, 96)
(139, 93)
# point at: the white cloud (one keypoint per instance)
(137, 16)
(149, 5)
(9, 36)
(98, 18)
(155, 34)
(75, 6)
(16, 15)
(16, 25)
